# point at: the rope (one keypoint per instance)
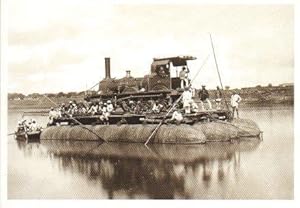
(93, 86)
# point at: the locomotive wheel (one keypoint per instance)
(130, 90)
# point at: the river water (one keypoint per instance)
(249, 169)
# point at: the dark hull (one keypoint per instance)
(28, 136)
(197, 133)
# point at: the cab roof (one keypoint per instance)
(176, 60)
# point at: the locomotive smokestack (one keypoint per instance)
(107, 68)
(128, 74)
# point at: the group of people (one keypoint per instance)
(235, 99)
(105, 109)
(204, 95)
(190, 106)
(29, 126)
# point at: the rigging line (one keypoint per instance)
(215, 58)
(93, 86)
(50, 100)
(212, 45)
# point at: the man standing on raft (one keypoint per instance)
(234, 101)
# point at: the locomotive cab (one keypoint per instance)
(165, 71)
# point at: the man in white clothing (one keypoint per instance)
(176, 117)
(187, 100)
(234, 101)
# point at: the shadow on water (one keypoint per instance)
(137, 171)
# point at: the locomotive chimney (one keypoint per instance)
(128, 74)
(107, 68)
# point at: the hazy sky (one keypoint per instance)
(59, 45)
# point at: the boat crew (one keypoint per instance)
(29, 125)
(34, 126)
(176, 116)
(131, 105)
(234, 101)
(194, 107)
(70, 108)
(62, 110)
(138, 108)
(124, 106)
(187, 100)
(52, 115)
(204, 95)
(157, 107)
(218, 99)
(104, 117)
(183, 75)
(100, 106)
(110, 107)
(93, 109)
(21, 127)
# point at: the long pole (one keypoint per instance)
(212, 45)
(173, 106)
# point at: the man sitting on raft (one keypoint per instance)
(176, 117)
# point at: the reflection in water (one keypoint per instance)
(133, 170)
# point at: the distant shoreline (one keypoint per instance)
(251, 97)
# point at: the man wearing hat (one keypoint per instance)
(105, 114)
(34, 126)
(204, 95)
(110, 107)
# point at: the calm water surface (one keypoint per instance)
(249, 169)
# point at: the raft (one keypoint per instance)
(197, 133)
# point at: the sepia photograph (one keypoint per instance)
(155, 100)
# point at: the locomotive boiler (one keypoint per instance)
(162, 82)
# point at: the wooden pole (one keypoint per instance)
(212, 45)
(173, 106)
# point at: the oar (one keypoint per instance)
(11, 134)
(173, 106)
(82, 126)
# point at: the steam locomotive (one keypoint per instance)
(162, 82)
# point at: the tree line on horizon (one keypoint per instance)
(20, 96)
